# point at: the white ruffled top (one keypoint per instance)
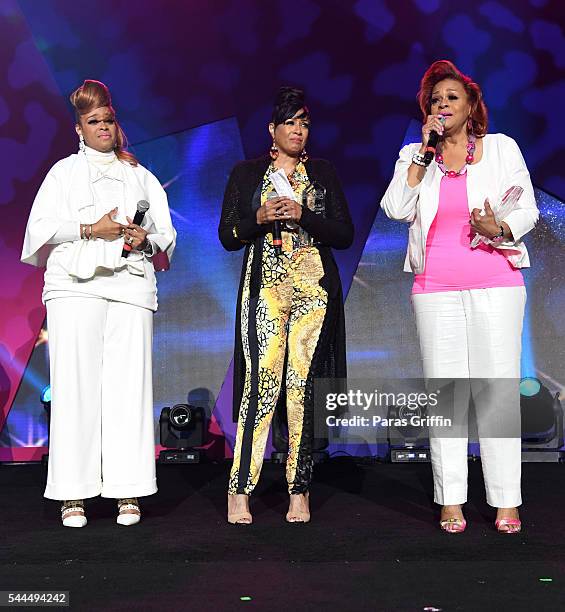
(91, 185)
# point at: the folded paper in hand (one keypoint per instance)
(282, 185)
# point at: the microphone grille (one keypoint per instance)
(142, 206)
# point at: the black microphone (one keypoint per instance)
(277, 237)
(142, 208)
(433, 139)
(430, 151)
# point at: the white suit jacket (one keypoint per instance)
(500, 167)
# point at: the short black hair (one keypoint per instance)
(288, 102)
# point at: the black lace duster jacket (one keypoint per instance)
(333, 230)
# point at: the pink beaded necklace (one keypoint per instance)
(471, 143)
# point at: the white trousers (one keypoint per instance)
(474, 334)
(102, 435)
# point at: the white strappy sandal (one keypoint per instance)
(129, 512)
(72, 513)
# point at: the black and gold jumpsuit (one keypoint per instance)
(280, 323)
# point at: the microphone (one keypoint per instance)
(433, 139)
(142, 208)
(430, 151)
(277, 237)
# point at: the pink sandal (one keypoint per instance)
(514, 525)
(453, 525)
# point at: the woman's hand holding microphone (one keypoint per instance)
(108, 229)
(279, 209)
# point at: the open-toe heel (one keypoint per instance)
(508, 525)
(453, 525)
(72, 513)
(299, 516)
(129, 512)
(239, 518)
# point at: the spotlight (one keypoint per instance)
(542, 421)
(45, 399)
(408, 443)
(280, 439)
(529, 386)
(182, 428)
(45, 396)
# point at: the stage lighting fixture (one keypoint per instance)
(182, 428)
(45, 399)
(408, 443)
(280, 440)
(529, 386)
(45, 396)
(542, 422)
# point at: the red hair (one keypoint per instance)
(444, 69)
(94, 94)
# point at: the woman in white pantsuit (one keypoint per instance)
(468, 301)
(99, 312)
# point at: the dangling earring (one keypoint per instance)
(469, 126)
(274, 151)
(303, 156)
(81, 145)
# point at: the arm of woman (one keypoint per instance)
(521, 220)
(161, 234)
(400, 199)
(45, 228)
(234, 231)
(336, 228)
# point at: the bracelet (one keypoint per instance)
(146, 247)
(83, 231)
(418, 159)
(89, 234)
(500, 236)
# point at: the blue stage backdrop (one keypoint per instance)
(194, 83)
(194, 325)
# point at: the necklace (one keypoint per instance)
(292, 179)
(471, 143)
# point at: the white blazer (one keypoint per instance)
(500, 167)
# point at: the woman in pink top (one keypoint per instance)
(468, 299)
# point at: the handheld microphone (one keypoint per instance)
(277, 237)
(433, 139)
(142, 208)
(430, 151)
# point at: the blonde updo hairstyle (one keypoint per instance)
(94, 94)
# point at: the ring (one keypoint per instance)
(130, 239)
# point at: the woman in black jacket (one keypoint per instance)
(290, 322)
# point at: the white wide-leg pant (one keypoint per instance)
(102, 434)
(474, 334)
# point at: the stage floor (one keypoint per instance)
(373, 544)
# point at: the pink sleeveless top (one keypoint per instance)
(451, 264)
